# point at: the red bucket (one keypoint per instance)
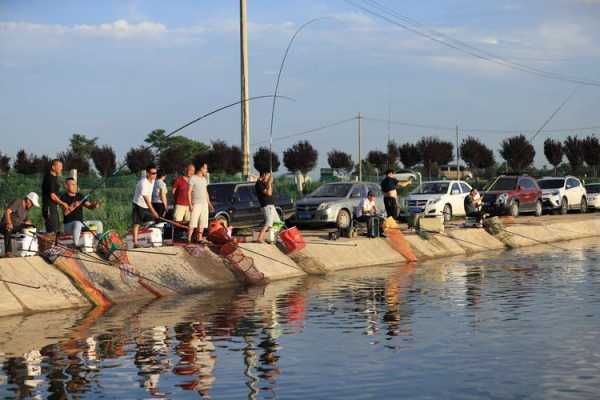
(292, 239)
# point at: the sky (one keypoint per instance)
(118, 69)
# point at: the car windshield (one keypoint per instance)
(432, 188)
(220, 193)
(332, 190)
(551, 183)
(593, 188)
(504, 183)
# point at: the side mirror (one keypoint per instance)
(519, 188)
(234, 198)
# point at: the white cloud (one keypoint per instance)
(117, 29)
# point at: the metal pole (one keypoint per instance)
(245, 91)
(359, 149)
(457, 155)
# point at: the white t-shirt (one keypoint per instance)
(365, 207)
(143, 188)
(199, 185)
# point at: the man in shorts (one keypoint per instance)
(264, 192)
(180, 193)
(142, 202)
(199, 201)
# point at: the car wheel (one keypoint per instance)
(564, 206)
(583, 207)
(447, 213)
(343, 219)
(538, 209)
(514, 209)
(223, 219)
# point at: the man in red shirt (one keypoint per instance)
(180, 192)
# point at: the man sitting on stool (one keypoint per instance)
(16, 217)
(368, 213)
(473, 206)
(73, 214)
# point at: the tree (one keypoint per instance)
(379, 160)
(393, 154)
(105, 160)
(434, 152)
(300, 157)
(189, 148)
(72, 160)
(137, 159)
(368, 169)
(171, 161)
(261, 160)
(41, 165)
(574, 148)
(340, 160)
(476, 154)
(591, 153)
(23, 163)
(553, 150)
(409, 155)
(224, 158)
(518, 152)
(158, 140)
(82, 145)
(4, 164)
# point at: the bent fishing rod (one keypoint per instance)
(170, 134)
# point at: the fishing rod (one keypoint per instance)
(269, 258)
(285, 54)
(20, 284)
(216, 110)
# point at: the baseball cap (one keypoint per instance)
(35, 200)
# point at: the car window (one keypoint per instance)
(504, 183)
(572, 183)
(220, 193)
(455, 188)
(465, 188)
(432, 188)
(358, 191)
(551, 183)
(527, 183)
(332, 190)
(246, 193)
(594, 188)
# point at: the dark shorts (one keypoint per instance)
(50, 214)
(140, 215)
(391, 206)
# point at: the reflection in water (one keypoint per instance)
(517, 324)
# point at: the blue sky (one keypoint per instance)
(118, 69)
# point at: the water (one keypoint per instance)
(522, 324)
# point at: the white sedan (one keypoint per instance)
(445, 198)
(593, 195)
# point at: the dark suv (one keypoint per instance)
(512, 195)
(236, 204)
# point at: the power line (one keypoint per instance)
(306, 132)
(415, 27)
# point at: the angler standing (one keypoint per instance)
(142, 202)
(50, 197)
(199, 202)
(159, 194)
(180, 192)
(264, 192)
(389, 184)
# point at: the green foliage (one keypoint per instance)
(82, 145)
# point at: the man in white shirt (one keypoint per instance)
(142, 202)
(199, 200)
(367, 212)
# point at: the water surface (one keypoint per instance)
(519, 324)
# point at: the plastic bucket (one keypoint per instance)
(292, 239)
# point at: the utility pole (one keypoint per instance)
(359, 149)
(457, 155)
(245, 91)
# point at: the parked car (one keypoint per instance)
(445, 198)
(593, 195)
(563, 194)
(513, 195)
(335, 203)
(236, 204)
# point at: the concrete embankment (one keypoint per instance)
(175, 270)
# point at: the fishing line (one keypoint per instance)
(285, 54)
(20, 284)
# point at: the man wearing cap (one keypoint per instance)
(15, 217)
